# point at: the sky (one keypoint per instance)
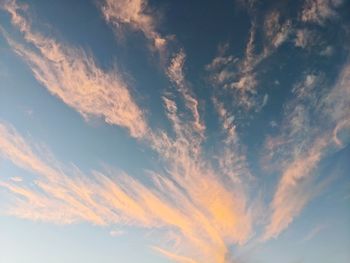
(175, 131)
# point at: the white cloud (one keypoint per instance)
(327, 51)
(116, 233)
(16, 179)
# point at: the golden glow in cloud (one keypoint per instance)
(206, 223)
(205, 214)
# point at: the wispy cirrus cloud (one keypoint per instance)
(320, 11)
(294, 189)
(240, 75)
(314, 232)
(176, 74)
(305, 38)
(230, 75)
(73, 76)
(232, 161)
(303, 144)
(174, 257)
(199, 204)
(189, 199)
(177, 198)
(227, 208)
(135, 14)
(276, 30)
(179, 201)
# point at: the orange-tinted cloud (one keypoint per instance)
(189, 199)
(136, 14)
(238, 76)
(73, 76)
(176, 75)
(204, 205)
(319, 11)
(294, 190)
(306, 145)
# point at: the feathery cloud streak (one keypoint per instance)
(239, 75)
(180, 201)
(200, 204)
(205, 222)
(73, 76)
(308, 144)
(133, 13)
(176, 75)
(320, 11)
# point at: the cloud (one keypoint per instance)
(177, 198)
(16, 179)
(276, 31)
(180, 199)
(198, 204)
(233, 76)
(336, 105)
(174, 257)
(314, 232)
(176, 75)
(312, 41)
(137, 15)
(73, 76)
(337, 101)
(294, 190)
(304, 38)
(319, 11)
(306, 89)
(306, 144)
(240, 76)
(232, 161)
(189, 199)
(226, 204)
(116, 233)
(327, 51)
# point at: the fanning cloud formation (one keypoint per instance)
(200, 202)
(191, 199)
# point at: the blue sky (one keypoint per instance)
(174, 131)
